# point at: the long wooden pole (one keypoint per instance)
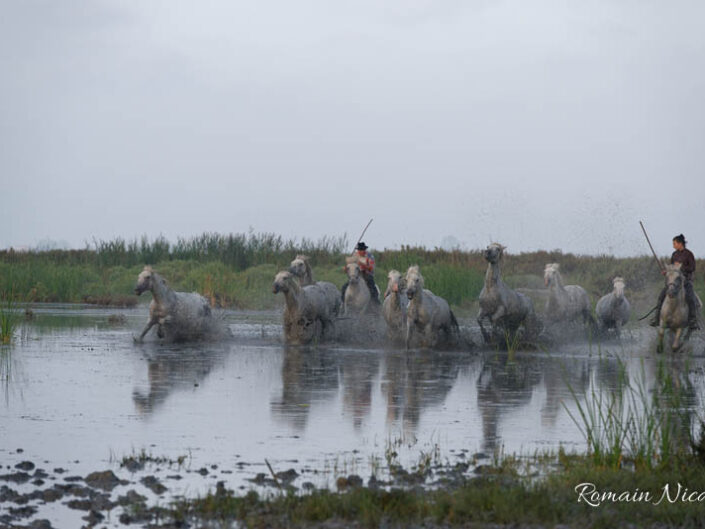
(362, 234)
(658, 261)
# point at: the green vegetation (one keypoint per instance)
(501, 495)
(642, 423)
(236, 270)
(9, 316)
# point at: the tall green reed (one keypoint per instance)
(640, 422)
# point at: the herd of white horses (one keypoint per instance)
(413, 315)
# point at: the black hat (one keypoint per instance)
(361, 246)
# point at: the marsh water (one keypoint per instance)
(80, 396)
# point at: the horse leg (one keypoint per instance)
(676, 340)
(150, 324)
(485, 335)
(429, 337)
(661, 332)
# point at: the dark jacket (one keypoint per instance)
(687, 260)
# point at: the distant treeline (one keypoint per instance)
(237, 269)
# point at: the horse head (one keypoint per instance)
(550, 274)
(145, 281)
(674, 280)
(282, 282)
(494, 252)
(299, 267)
(395, 283)
(414, 281)
(353, 271)
(618, 284)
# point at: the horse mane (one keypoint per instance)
(552, 267)
(414, 270)
(500, 246)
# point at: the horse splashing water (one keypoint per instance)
(613, 309)
(395, 306)
(565, 303)
(505, 308)
(357, 295)
(310, 311)
(428, 316)
(674, 310)
(179, 316)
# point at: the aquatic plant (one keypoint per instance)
(636, 424)
(9, 316)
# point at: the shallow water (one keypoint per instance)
(78, 394)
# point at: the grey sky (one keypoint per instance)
(538, 124)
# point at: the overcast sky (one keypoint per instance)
(538, 124)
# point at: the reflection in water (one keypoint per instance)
(308, 374)
(415, 381)
(503, 384)
(357, 373)
(174, 368)
(410, 383)
(337, 399)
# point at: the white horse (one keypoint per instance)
(505, 308)
(357, 294)
(310, 311)
(301, 269)
(674, 310)
(395, 306)
(427, 315)
(178, 315)
(613, 309)
(565, 303)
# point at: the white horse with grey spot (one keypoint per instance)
(428, 316)
(310, 311)
(613, 309)
(395, 306)
(179, 316)
(504, 308)
(674, 310)
(566, 303)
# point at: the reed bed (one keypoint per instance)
(236, 270)
(643, 423)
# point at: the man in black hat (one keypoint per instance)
(366, 262)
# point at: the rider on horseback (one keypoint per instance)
(687, 261)
(366, 262)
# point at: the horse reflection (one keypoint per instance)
(172, 370)
(357, 375)
(308, 375)
(503, 385)
(412, 383)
